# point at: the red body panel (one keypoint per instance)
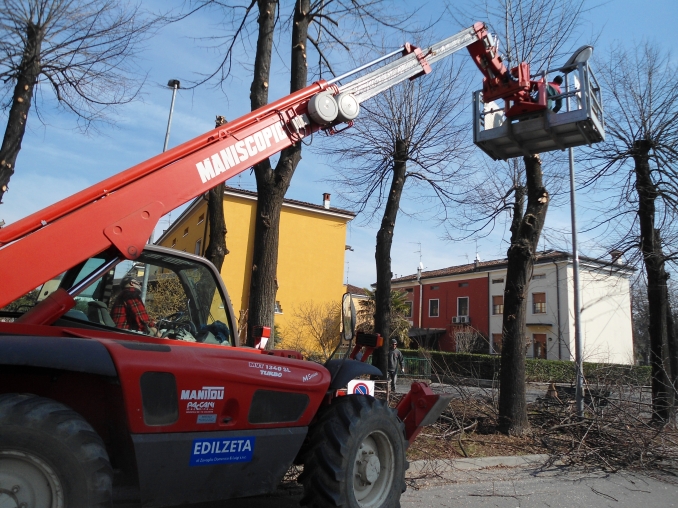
(239, 371)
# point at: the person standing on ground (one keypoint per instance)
(395, 361)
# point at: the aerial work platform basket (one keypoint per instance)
(579, 122)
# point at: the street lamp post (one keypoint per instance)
(578, 346)
(174, 84)
(581, 55)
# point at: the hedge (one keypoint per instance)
(545, 371)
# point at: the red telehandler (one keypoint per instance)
(182, 411)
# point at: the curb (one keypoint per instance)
(440, 465)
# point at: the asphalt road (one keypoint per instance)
(527, 488)
(501, 487)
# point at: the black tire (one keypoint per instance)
(338, 468)
(51, 455)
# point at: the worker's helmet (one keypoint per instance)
(393, 341)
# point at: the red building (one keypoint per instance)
(451, 303)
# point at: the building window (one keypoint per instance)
(497, 304)
(201, 219)
(539, 276)
(496, 343)
(408, 309)
(539, 345)
(497, 281)
(174, 242)
(462, 306)
(538, 303)
(409, 290)
(278, 307)
(186, 232)
(433, 308)
(435, 288)
(198, 244)
(463, 284)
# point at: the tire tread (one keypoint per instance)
(326, 458)
(47, 416)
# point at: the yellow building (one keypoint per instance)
(310, 253)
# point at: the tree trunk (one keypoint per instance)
(216, 248)
(673, 346)
(26, 78)
(382, 295)
(272, 184)
(657, 296)
(525, 233)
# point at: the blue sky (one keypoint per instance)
(56, 160)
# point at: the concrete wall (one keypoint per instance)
(606, 316)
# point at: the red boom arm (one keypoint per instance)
(123, 210)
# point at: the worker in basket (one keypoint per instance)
(552, 90)
(129, 311)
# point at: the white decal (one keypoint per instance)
(240, 151)
(308, 377)
(199, 407)
(222, 446)
(269, 370)
(270, 373)
(206, 393)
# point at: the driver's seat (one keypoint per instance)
(97, 312)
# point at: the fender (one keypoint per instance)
(343, 371)
(63, 353)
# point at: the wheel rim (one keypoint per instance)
(26, 481)
(373, 470)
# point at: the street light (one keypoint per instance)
(174, 84)
(581, 55)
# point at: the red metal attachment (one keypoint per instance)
(421, 57)
(514, 86)
(332, 131)
(261, 334)
(420, 407)
(366, 343)
(51, 308)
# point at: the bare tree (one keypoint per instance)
(641, 321)
(314, 329)
(540, 33)
(412, 134)
(637, 167)
(79, 52)
(469, 339)
(320, 26)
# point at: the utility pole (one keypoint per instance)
(174, 84)
(420, 268)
